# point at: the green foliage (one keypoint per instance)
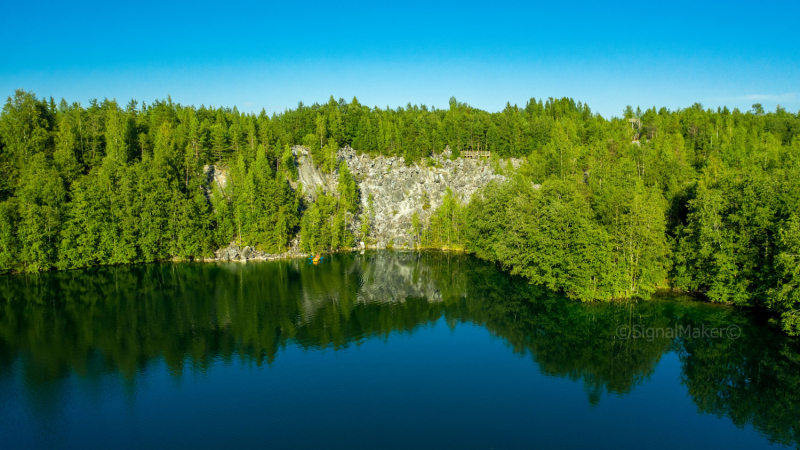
(738, 239)
(416, 229)
(367, 218)
(599, 241)
(324, 227)
(365, 227)
(701, 200)
(9, 246)
(24, 127)
(287, 163)
(547, 235)
(264, 205)
(328, 224)
(446, 227)
(103, 185)
(785, 296)
(348, 190)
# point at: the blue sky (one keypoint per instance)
(262, 55)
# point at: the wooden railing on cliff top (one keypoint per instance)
(475, 153)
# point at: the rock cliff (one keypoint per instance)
(397, 190)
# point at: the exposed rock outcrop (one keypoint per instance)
(216, 175)
(312, 177)
(243, 254)
(398, 190)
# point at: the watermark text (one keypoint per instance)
(639, 331)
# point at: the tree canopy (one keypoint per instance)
(601, 208)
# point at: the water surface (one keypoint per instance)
(381, 350)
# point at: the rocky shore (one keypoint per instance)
(243, 254)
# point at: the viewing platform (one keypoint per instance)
(476, 153)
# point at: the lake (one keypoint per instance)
(378, 350)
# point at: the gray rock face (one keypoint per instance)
(216, 175)
(397, 190)
(311, 177)
(235, 253)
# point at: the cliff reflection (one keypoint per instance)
(119, 320)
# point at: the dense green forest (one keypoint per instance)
(696, 199)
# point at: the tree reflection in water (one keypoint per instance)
(120, 320)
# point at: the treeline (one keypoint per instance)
(107, 184)
(698, 200)
(695, 199)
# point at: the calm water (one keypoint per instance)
(382, 350)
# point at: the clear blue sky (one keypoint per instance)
(259, 55)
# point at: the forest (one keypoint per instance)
(698, 200)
